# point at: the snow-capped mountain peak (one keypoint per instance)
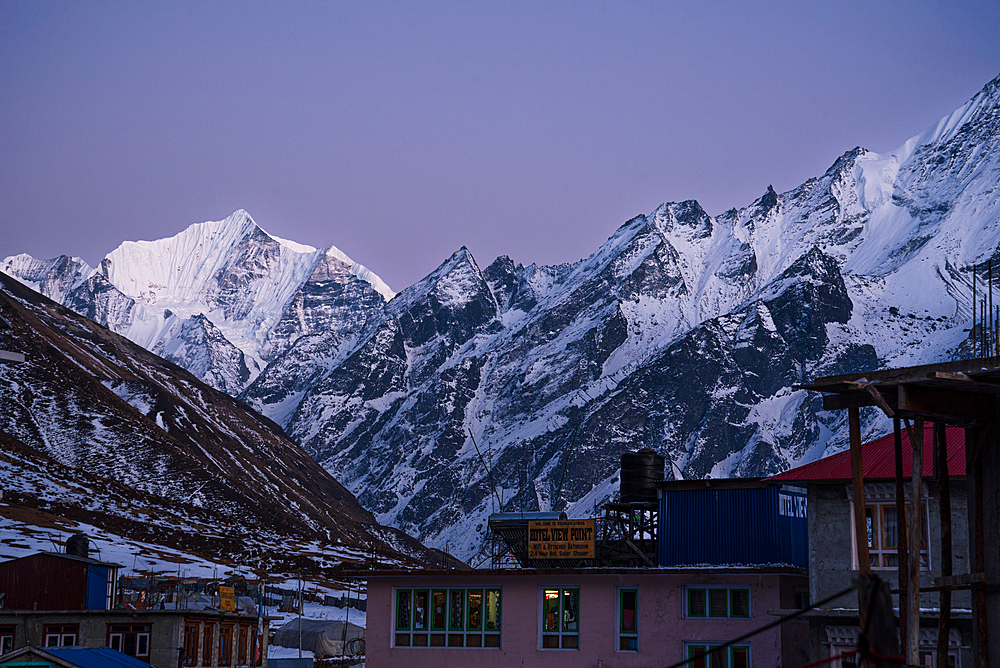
(225, 288)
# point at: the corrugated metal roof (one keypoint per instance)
(91, 657)
(878, 459)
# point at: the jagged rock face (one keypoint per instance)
(684, 332)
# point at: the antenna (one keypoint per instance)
(569, 449)
(488, 473)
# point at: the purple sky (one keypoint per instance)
(400, 132)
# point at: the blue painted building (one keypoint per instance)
(731, 522)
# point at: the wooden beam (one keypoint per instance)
(974, 492)
(837, 402)
(858, 499)
(944, 510)
(879, 400)
(902, 538)
(903, 374)
(916, 538)
(946, 405)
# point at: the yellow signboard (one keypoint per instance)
(227, 599)
(560, 539)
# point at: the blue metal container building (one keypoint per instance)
(728, 522)
(55, 581)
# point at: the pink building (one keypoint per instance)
(627, 617)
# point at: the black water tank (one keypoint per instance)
(640, 473)
(78, 545)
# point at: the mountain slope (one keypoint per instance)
(98, 430)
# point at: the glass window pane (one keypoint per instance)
(571, 642)
(402, 609)
(741, 657)
(440, 610)
(870, 523)
(720, 658)
(550, 642)
(891, 528)
(696, 603)
(697, 651)
(740, 602)
(718, 603)
(571, 610)
(420, 610)
(456, 610)
(475, 610)
(628, 610)
(550, 610)
(492, 609)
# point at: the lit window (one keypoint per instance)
(628, 620)
(717, 602)
(447, 618)
(561, 618)
(711, 656)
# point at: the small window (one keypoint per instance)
(60, 636)
(561, 618)
(6, 639)
(207, 645)
(739, 603)
(712, 656)
(129, 639)
(241, 651)
(189, 653)
(801, 598)
(225, 645)
(718, 602)
(628, 620)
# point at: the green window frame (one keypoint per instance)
(559, 618)
(734, 656)
(717, 602)
(628, 619)
(429, 617)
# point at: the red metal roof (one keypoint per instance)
(878, 459)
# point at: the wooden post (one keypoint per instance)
(858, 490)
(916, 539)
(860, 521)
(944, 509)
(977, 539)
(902, 544)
